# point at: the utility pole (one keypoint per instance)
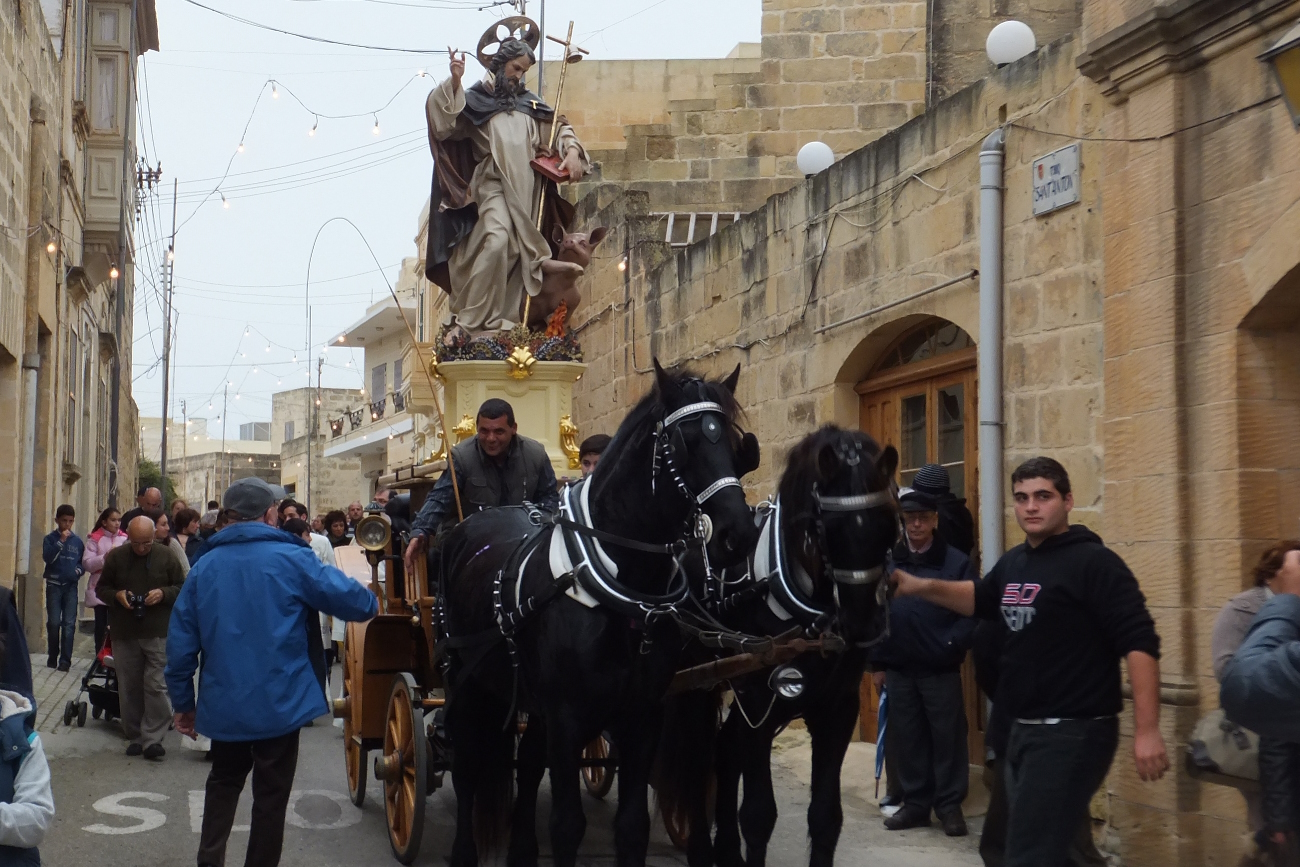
(313, 426)
(185, 440)
(225, 396)
(169, 267)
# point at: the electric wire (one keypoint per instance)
(250, 23)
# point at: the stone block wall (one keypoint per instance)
(891, 219)
(203, 477)
(838, 71)
(1202, 310)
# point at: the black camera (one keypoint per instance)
(136, 603)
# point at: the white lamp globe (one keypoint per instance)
(1010, 41)
(815, 157)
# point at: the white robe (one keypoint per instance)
(502, 257)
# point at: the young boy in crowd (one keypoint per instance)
(62, 550)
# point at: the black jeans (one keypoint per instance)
(273, 763)
(927, 732)
(993, 838)
(1051, 773)
(101, 626)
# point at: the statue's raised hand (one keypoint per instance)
(457, 68)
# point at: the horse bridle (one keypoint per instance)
(665, 453)
(854, 503)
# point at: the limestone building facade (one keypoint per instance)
(1149, 330)
(68, 433)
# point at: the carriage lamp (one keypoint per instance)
(787, 682)
(373, 532)
(1284, 59)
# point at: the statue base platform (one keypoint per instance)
(542, 398)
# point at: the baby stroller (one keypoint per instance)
(100, 683)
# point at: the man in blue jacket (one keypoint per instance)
(62, 550)
(921, 660)
(250, 606)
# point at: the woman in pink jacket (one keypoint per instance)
(106, 536)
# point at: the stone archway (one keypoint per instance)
(1268, 415)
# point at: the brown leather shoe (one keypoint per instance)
(910, 816)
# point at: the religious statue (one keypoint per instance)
(487, 244)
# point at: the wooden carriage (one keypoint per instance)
(391, 679)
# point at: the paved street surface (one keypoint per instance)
(115, 811)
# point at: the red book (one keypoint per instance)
(549, 168)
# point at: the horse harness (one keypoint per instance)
(583, 571)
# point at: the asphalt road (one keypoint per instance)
(115, 811)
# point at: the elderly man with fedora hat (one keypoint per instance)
(251, 607)
(921, 662)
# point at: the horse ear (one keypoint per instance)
(748, 455)
(664, 381)
(597, 235)
(730, 381)
(557, 234)
(887, 463)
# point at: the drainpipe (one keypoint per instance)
(992, 154)
(37, 142)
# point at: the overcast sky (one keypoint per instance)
(241, 266)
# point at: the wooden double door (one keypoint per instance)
(928, 411)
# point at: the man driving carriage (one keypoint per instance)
(495, 467)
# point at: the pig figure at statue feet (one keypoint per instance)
(560, 276)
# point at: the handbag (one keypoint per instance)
(1220, 747)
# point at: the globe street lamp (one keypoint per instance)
(1010, 41)
(814, 158)
(1284, 59)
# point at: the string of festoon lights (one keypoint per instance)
(274, 88)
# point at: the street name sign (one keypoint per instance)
(1056, 180)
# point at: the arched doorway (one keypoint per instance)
(921, 396)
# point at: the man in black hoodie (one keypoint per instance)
(1073, 609)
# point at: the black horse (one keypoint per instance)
(572, 623)
(819, 569)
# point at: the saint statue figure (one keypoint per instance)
(485, 247)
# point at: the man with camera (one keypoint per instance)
(142, 584)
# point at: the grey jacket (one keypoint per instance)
(1261, 683)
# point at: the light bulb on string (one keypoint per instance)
(246, 332)
(314, 126)
(113, 273)
(275, 93)
(225, 203)
(51, 247)
(240, 149)
(268, 347)
(376, 129)
(277, 382)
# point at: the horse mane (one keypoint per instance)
(638, 426)
(803, 471)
